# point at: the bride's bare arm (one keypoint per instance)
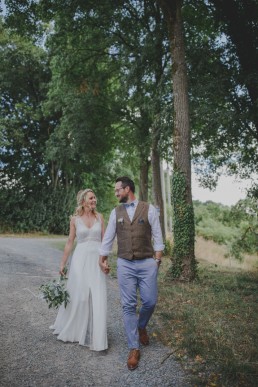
(68, 246)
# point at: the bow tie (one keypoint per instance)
(127, 205)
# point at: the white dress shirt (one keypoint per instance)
(110, 233)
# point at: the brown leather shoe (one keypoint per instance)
(143, 336)
(133, 359)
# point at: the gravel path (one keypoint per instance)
(30, 355)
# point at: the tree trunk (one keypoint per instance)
(183, 261)
(156, 183)
(143, 184)
(54, 174)
(155, 160)
(163, 191)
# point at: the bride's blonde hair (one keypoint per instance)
(81, 199)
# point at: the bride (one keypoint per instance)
(84, 320)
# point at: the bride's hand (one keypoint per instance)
(61, 271)
(104, 266)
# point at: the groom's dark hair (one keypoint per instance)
(126, 182)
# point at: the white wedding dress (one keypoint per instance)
(84, 320)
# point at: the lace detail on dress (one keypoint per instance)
(81, 240)
(85, 234)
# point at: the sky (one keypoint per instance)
(2, 5)
(228, 191)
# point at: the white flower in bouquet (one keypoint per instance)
(55, 292)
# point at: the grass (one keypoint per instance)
(58, 240)
(35, 234)
(211, 252)
(212, 324)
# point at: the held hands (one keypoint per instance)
(103, 263)
(158, 256)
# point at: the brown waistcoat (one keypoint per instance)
(134, 238)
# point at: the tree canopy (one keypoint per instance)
(86, 92)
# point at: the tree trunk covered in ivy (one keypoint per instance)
(183, 260)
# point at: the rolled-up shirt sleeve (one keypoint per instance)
(153, 217)
(109, 236)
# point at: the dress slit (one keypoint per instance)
(89, 329)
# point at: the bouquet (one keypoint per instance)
(55, 292)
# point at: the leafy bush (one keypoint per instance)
(236, 227)
(43, 209)
(210, 228)
(46, 211)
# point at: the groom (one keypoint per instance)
(135, 224)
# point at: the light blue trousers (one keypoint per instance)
(133, 275)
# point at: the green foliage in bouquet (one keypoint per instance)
(55, 292)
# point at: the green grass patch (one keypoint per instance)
(213, 323)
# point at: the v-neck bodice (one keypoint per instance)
(84, 233)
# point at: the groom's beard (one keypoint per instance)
(124, 199)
